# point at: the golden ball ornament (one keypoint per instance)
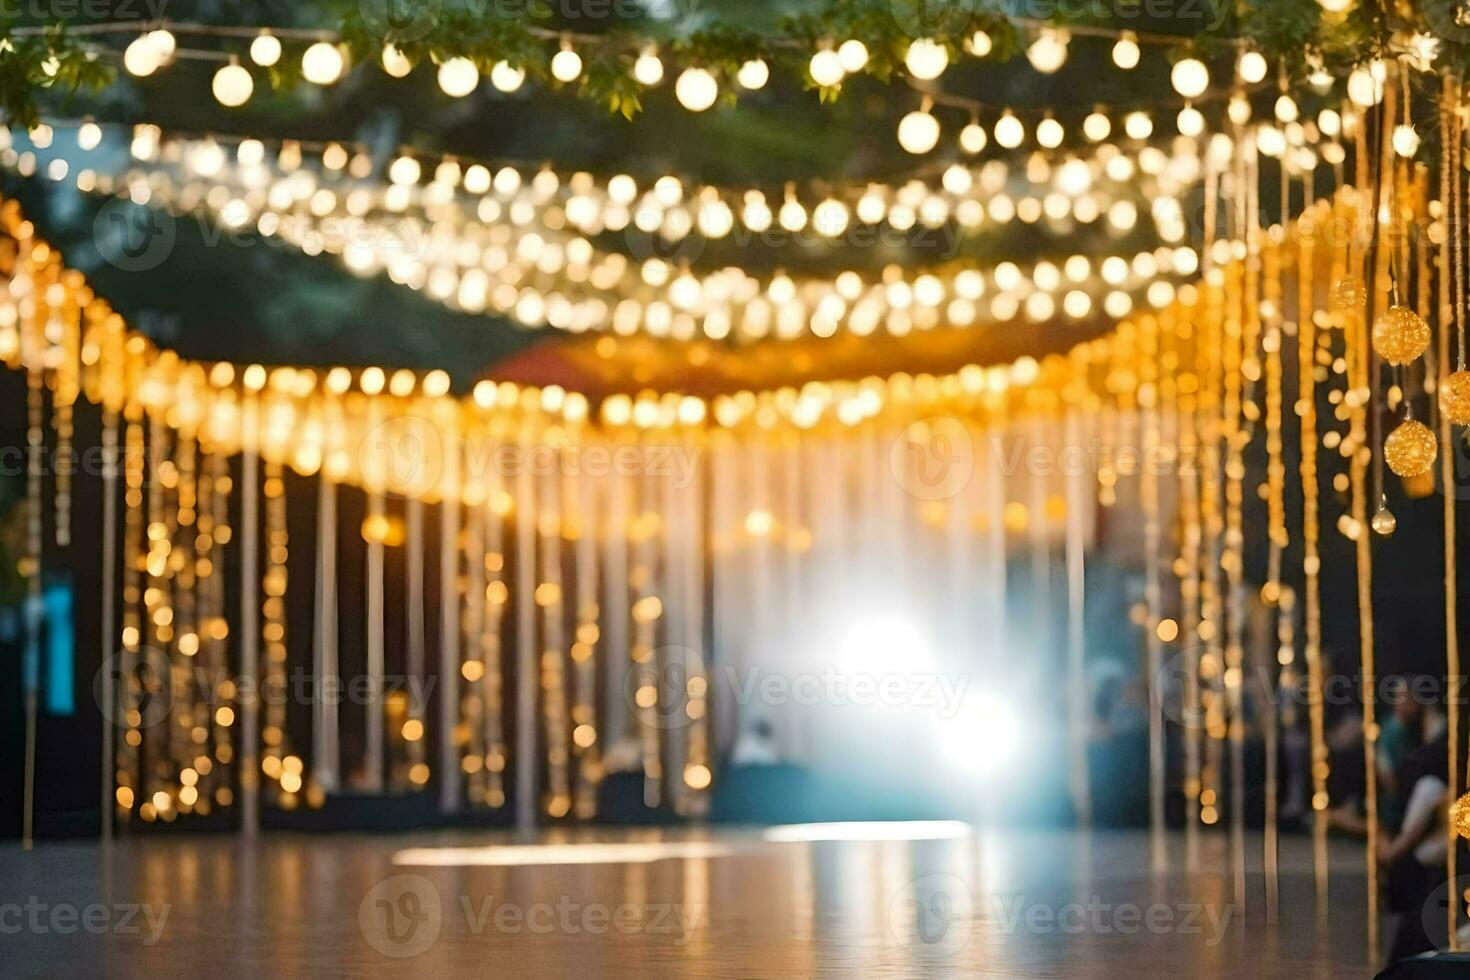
(1454, 398)
(1384, 523)
(1460, 815)
(1410, 450)
(1400, 335)
(1349, 295)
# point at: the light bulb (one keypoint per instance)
(853, 54)
(566, 65)
(506, 77)
(1126, 52)
(163, 42)
(265, 50)
(1190, 122)
(89, 135)
(232, 85)
(1138, 125)
(1239, 110)
(458, 77)
(1363, 88)
(918, 132)
(753, 75)
(1335, 6)
(696, 89)
(1286, 110)
(1009, 131)
(141, 57)
(826, 68)
(1048, 52)
(1096, 127)
(1190, 77)
(926, 59)
(1270, 141)
(973, 138)
(395, 62)
(1049, 133)
(981, 44)
(1252, 67)
(648, 69)
(321, 64)
(1405, 140)
(1329, 122)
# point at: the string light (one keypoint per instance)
(649, 68)
(322, 64)
(925, 59)
(1126, 52)
(265, 50)
(232, 85)
(458, 77)
(696, 89)
(1190, 77)
(566, 65)
(918, 132)
(753, 75)
(826, 68)
(395, 62)
(1048, 52)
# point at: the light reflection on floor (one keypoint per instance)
(936, 899)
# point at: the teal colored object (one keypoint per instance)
(61, 649)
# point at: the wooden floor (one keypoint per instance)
(947, 901)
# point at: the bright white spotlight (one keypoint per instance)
(983, 736)
(883, 644)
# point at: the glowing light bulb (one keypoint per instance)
(395, 62)
(1190, 77)
(1286, 110)
(1252, 67)
(506, 77)
(1126, 52)
(973, 138)
(1096, 127)
(918, 132)
(753, 75)
(926, 59)
(321, 64)
(826, 68)
(1335, 6)
(232, 85)
(164, 43)
(1048, 52)
(696, 89)
(853, 54)
(1405, 140)
(89, 135)
(1191, 122)
(1363, 89)
(1009, 131)
(648, 69)
(265, 50)
(1049, 133)
(981, 44)
(141, 58)
(458, 77)
(1138, 125)
(566, 65)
